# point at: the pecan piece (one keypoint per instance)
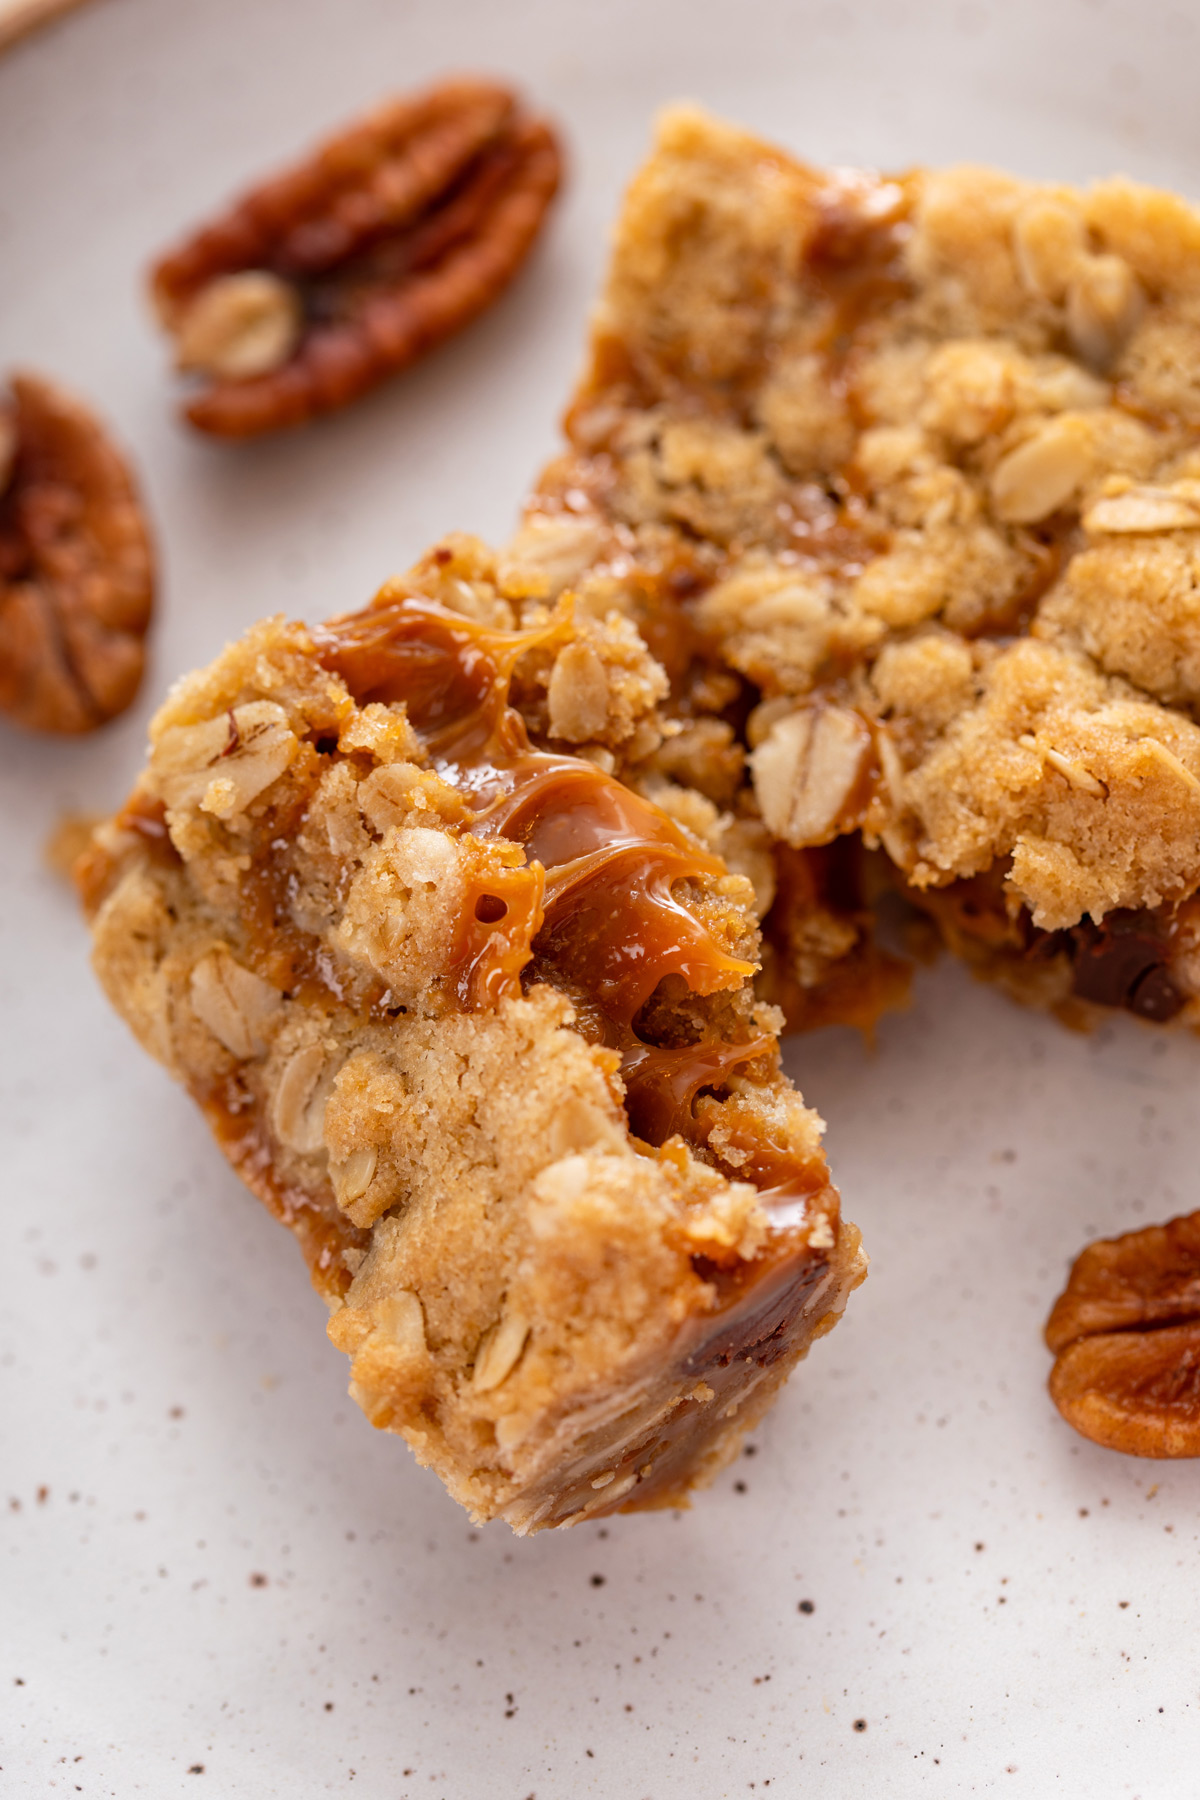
(394, 234)
(76, 566)
(1126, 1334)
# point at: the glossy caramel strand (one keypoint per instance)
(594, 909)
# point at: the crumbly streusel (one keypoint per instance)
(916, 462)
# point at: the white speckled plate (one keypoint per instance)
(216, 1579)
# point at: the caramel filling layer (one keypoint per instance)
(593, 911)
(1125, 961)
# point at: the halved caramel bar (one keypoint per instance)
(907, 471)
(474, 1018)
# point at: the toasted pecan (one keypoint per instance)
(323, 281)
(76, 565)
(1126, 1335)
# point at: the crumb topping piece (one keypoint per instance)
(929, 449)
(474, 1017)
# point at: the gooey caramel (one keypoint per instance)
(592, 910)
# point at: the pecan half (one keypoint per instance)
(1126, 1334)
(76, 566)
(322, 282)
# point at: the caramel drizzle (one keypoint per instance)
(592, 907)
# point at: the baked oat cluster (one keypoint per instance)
(475, 1019)
(908, 470)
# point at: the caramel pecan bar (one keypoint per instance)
(474, 1017)
(905, 471)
